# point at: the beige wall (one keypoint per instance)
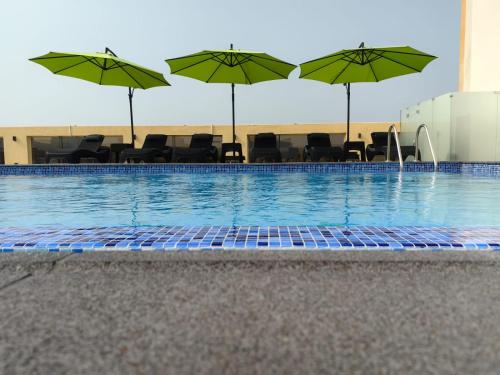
(480, 46)
(19, 151)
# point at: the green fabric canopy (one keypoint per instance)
(231, 66)
(364, 65)
(103, 69)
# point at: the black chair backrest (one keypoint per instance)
(156, 141)
(265, 140)
(228, 147)
(201, 140)
(380, 139)
(318, 140)
(91, 142)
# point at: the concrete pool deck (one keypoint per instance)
(250, 312)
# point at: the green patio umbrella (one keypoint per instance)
(364, 65)
(103, 69)
(230, 66)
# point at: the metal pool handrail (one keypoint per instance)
(393, 129)
(423, 126)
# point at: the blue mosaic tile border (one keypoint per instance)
(212, 238)
(481, 169)
(378, 167)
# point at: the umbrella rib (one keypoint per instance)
(397, 62)
(148, 74)
(213, 73)
(216, 56)
(340, 73)
(130, 75)
(370, 59)
(373, 71)
(271, 70)
(102, 74)
(243, 70)
(194, 55)
(403, 53)
(189, 66)
(273, 60)
(72, 66)
(323, 66)
(53, 57)
(102, 71)
(132, 66)
(245, 57)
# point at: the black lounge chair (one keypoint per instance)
(89, 148)
(154, 148)
(201, 150)
(354, 151)
(379, 148)
(265, 149)
(319, 148)
(235, 152)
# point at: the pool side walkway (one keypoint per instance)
(250, 312)
(216, 238)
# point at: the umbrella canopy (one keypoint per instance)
(231, 66)
(364, 65)
(103, 69)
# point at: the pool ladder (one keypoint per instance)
(392, 129)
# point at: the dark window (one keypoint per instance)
(292, 146)
(2, 157)
(41, 145)
(184, 140)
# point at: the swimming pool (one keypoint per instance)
(272, 199)
(355, 205)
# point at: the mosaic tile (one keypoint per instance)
(249, 238)
(148, 169)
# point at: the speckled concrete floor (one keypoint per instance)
(261, 313)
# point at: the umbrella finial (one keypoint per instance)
(231, 46)
(362, 45)
(107, 50)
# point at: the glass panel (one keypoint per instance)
(178, 140)
(463, 126)
(440, 128)
(184, 140)
(292, 146)
(337, 139)
(110, 139)
(474, 126)
(434, 113)
(217, 142)
(41, 145)
(251, 141)
(412, 118)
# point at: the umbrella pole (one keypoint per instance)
(130, 96)
(348, 89)
(234, 126)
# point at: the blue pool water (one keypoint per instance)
(379, 199)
